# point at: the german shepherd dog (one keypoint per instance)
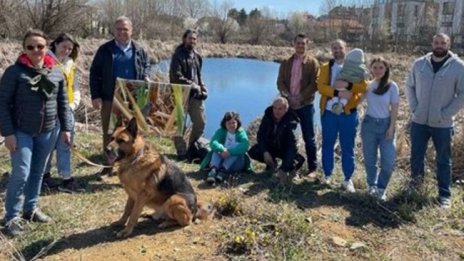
(151, 180)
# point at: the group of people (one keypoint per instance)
(39, 93)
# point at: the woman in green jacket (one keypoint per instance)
(228, 148)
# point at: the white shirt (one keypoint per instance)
(230, 140)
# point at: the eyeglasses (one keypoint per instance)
(32, 47)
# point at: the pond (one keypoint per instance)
(246, 86)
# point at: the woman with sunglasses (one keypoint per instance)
(65, 50)
(32, 99)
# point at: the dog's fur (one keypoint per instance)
(152, 180)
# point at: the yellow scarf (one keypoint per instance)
(69, 77)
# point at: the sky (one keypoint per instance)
(281, 7)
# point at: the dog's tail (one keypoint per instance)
(177, 208)
(205, 211)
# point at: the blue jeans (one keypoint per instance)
(334, 126)
(373, 132)
(305, 115)
(63, 153)
(441, 137)
(230, 164)
(28, 165)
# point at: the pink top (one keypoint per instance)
(295, 80)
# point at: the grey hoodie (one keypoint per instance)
(434, 98)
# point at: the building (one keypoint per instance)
(451, 19)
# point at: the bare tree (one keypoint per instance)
(223, 25)
(54, 16)
(196, 8)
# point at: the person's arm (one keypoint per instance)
(411, 90)
(145, 63)
(458, 101)
(261, 135)
(76, 90)
(63, 109)
(323, 82)
(243, 144)
(311, 89)
(215, 143)
(175, 71)
(95, 76)
(281, 87)
(7, 93)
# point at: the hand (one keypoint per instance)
(10, 143)
(66, 138)
(268, 159)
(147, 79)
(390, 133)
(225, 154)
(340, 85)
(345, 94)
(97, 103)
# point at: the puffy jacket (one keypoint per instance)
(102, 81)
(277, 137)
(434, 98)
(22, 107)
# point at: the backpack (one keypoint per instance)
(198, 150)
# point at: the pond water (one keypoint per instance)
(246, 86)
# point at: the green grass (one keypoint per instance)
(258, 220)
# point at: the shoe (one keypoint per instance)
(48, 182)
(414, 185)
(381, 195)
(372, 191)
(37, 215)
(283, 177)
(211, 176)
(70, 186)
(219, 177)
(348, 186)
(326, 180)
(298, 162)
(445, 202)
(14, 227)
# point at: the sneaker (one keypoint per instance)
(445, 202)
(37, 215)
(70, 186)
(381, 195)
(14, 227)
(326, 180)
(283, 177)
(348, 186)
(372, 191)
(219, 177)
(211, 176)
(414, 185)
(48, 182)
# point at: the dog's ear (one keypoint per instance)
(132, 127)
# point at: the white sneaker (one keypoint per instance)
(381, 195)
(326, 180)
(445, 202)
(348, 186)
(372, 191)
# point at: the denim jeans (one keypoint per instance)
(305, 114)
(28, 165)
(230, 164)
(373, 132)
(63, 153)
(334, 126)
(441, 137)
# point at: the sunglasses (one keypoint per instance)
(32, 47)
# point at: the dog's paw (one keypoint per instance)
(124, 233)
(118, 223)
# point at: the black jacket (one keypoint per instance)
(102, 81)
(277, 136)
(181, 67)
(23, 107)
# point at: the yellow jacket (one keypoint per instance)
(327, 92)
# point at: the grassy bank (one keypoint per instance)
(256, 220)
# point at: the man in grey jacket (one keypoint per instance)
(435, 92)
